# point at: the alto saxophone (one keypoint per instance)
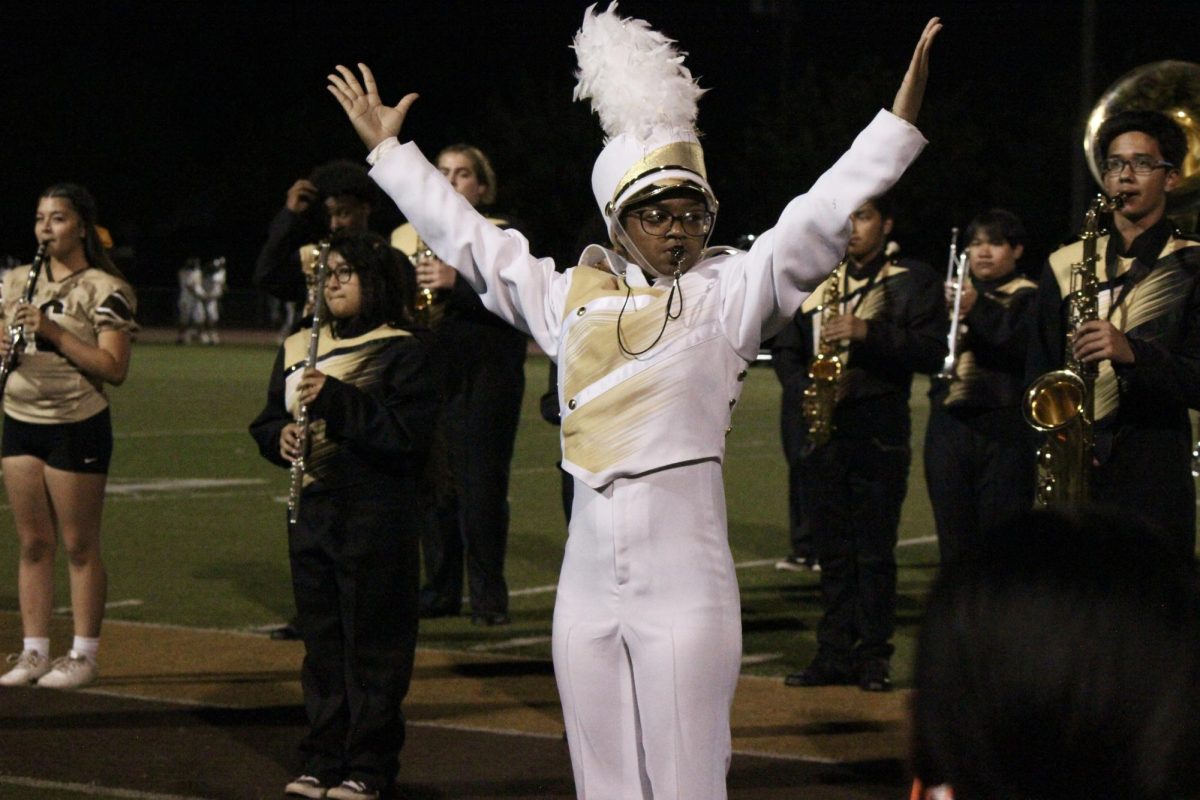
(1061, 403)
(314, 340)
(824, 369)
(16, 333)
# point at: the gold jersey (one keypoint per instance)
(46, 388)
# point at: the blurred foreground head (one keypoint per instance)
(1062, 662)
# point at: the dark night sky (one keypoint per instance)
(189, 120)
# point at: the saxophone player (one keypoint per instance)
(1146, 337)
(978, 449)
(892, 321)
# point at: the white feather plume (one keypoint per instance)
(633, 75)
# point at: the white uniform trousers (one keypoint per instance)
(648, 638)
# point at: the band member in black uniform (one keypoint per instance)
(480, 361)
(1147, 337)
(892, 316)
(354, 549)
(337, 196)
(978, 448)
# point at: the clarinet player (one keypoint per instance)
(978, 449)
(1146, 339)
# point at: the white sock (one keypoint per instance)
(86, 647)
(37, 644)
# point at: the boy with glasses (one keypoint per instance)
(1146, 340)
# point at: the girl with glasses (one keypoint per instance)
(371, 403)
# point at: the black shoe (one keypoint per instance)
(874, 676)
(286, 633)
(821, 673)
(490, 618)
(431, 611)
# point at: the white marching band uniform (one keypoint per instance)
(647, 627)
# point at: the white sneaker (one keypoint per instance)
(305, 786)
(27, 668)
(72, 671)
(352, 790)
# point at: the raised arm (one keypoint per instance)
(912, 89)
(372, 120)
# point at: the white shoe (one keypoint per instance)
(27, 668)
(352, 790)
(305, 786)
(72, 671)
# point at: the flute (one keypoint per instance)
(314, 339)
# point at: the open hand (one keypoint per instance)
(373, 120)
(912, 89)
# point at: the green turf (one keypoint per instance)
(215, 556)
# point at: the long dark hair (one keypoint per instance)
(386, 281)
(85, 206)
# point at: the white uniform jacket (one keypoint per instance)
(623, 415)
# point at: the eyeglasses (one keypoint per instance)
(657, 222)
(1141, 165)
(342, 274)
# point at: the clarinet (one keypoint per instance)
(314, 338)
(16, 333)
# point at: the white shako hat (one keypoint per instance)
(646, 100)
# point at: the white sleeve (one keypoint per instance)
(763, 289)
(521, 289)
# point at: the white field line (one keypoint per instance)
(114, 604)
(89, 789)
(509, 643)
(178, 485)
(760, 658)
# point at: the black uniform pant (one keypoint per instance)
(355, 575)
(855, 488)
(791, 368)
(979, 468)
(477, 431)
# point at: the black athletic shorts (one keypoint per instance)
(84, 446)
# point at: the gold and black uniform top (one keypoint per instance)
(906, 329)
(46, 388)
(1150, 294)
(371, 422)
(990, 372)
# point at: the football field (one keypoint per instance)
(194, 522)
(194, 542)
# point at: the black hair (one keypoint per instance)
(1062, 660)
(885, 204)
(1170, 137)
(998, 225)
(344, 177)
(85, 206)
(386, 280)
